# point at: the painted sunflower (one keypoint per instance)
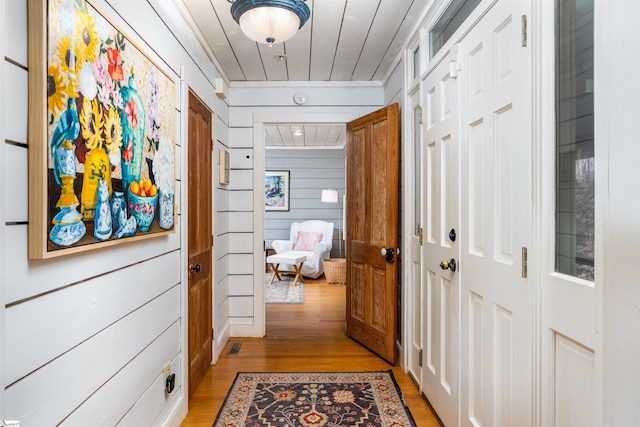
(69, 60)
(86, 36)
(92, 123)
(113, 130)
(58, 90)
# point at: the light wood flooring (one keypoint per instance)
(300, 338)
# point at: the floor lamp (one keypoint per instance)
(332, 195)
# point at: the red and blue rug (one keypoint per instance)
(318, 399)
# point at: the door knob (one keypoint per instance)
(194, 268)
(388, 253)
(451, 264)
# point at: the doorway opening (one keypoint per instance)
(302, 161)
(270, 130)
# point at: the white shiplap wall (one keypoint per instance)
(310, 171)
(85, 336)
(2, 211)
(249, 102)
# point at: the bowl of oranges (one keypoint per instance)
(143, 199)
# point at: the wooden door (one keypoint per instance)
(497, 193)
(440, 367)
(372, 226)
(200, 241)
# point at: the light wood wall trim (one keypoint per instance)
(37, 134)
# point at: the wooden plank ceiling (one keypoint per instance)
(343, 40)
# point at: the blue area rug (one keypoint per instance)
(283, 291)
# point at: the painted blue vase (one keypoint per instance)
(132, 117)
(165, 210)
(102, 220)
(118, 209)
(68, 227)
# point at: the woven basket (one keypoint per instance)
(335, 270)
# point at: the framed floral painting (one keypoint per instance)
(276, 191)
(101, 133)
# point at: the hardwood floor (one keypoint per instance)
(300, 337)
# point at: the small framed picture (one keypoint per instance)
(276, 191)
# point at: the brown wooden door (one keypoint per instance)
(372, 225)
(200, 241)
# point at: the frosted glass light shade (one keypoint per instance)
(270, 21)
(269, 24)
(329, 196)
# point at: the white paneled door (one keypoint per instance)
(440, 277)
(496, 295)
(478, 332)
(416, 300)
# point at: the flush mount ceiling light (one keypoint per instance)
(269, 21)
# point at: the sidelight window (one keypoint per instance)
(575, 160)
(417, 184)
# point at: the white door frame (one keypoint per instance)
(588, 295)
(258, 327)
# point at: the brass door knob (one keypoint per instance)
(451, 264)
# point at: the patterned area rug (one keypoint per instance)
(283, 291)
(353, 399)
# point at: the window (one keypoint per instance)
(417, 187)
(575, 161)
(416, 62)
(449, 22)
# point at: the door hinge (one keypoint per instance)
(213, 336)
(420, 358)
(524, 263)
(421, 236)
(420, 114)
(524, 30)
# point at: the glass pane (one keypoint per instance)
(416, 62)
(449, 22)
(417, 189)
(575, 162)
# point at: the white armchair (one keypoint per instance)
(315, 238)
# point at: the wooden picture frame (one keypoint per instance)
(101, 134)
(225, 170)
(276, 191)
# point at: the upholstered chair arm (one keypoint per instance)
(281, 246)
(322, 250)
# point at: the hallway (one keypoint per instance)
(300, 337)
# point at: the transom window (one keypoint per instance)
(449, 22)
